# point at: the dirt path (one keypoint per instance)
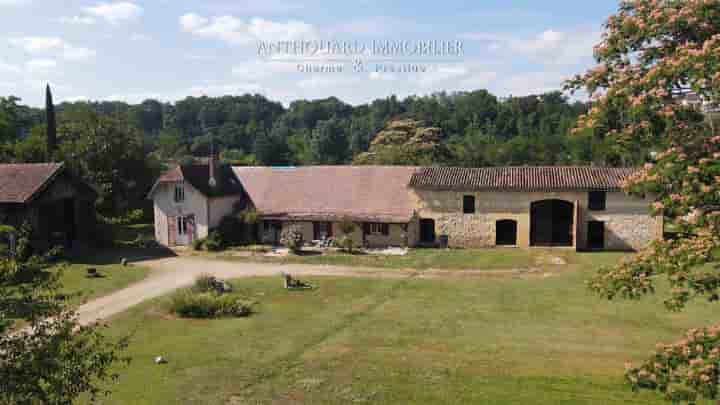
(167, 275)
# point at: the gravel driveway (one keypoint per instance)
(167, 275)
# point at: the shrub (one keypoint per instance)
(198, 244)
(187, 304)
(143, 241)
(250, 216)
(204, 283)
(346, 243)
(292, 238)
(208, 283)
(214, 242)
(347, 227)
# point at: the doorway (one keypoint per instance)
(551, 223)
(596, 235)
(506, 232)
(185, 230)
(427, 231)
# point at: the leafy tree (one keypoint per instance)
(33, 148)
(329, 143)
(52, 359)
(109, 154)
(405, 142)
(653, 52)
(272, 149)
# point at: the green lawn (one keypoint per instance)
(80, 288)
(481, 340)
(459, 259)
(113, 276)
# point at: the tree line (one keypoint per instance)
(115, 145)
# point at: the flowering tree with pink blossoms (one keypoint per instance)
(653, 54)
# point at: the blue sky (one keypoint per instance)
(167, 49)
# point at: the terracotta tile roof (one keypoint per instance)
(362, 193)
(521, 178)
(199, 177)
(19, 183)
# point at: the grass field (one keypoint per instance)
(421, 259)
(76, 284)
(113, 276)
(483, 340)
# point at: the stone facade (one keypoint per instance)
(628, 224)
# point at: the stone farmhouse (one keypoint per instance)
(571, 207)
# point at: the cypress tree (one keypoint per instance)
(51, 124)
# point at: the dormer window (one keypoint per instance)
(179, 194)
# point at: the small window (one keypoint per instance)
(596, 200)
(378, 229)
(469, 204)
(179, 194)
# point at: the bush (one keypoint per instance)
(143, 242)
(346, 243)
(207, 283)
(214, 242)
(347, 227)
(292, 238)
(250, 216)
(198, 244)
(187, 304)
(135, 216)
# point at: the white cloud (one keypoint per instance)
(552, 47)
(191, 22)
(115, 12)
(40, 65)
(53, 45)
(77, 20)
(38, 44)
(236, 31)
(251, 7)
(12, 2)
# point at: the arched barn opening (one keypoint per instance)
(506, 232)
(551, 223)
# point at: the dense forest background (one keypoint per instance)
(122, 147)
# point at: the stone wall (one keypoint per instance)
(628, 224)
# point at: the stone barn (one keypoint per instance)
(571, 207)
